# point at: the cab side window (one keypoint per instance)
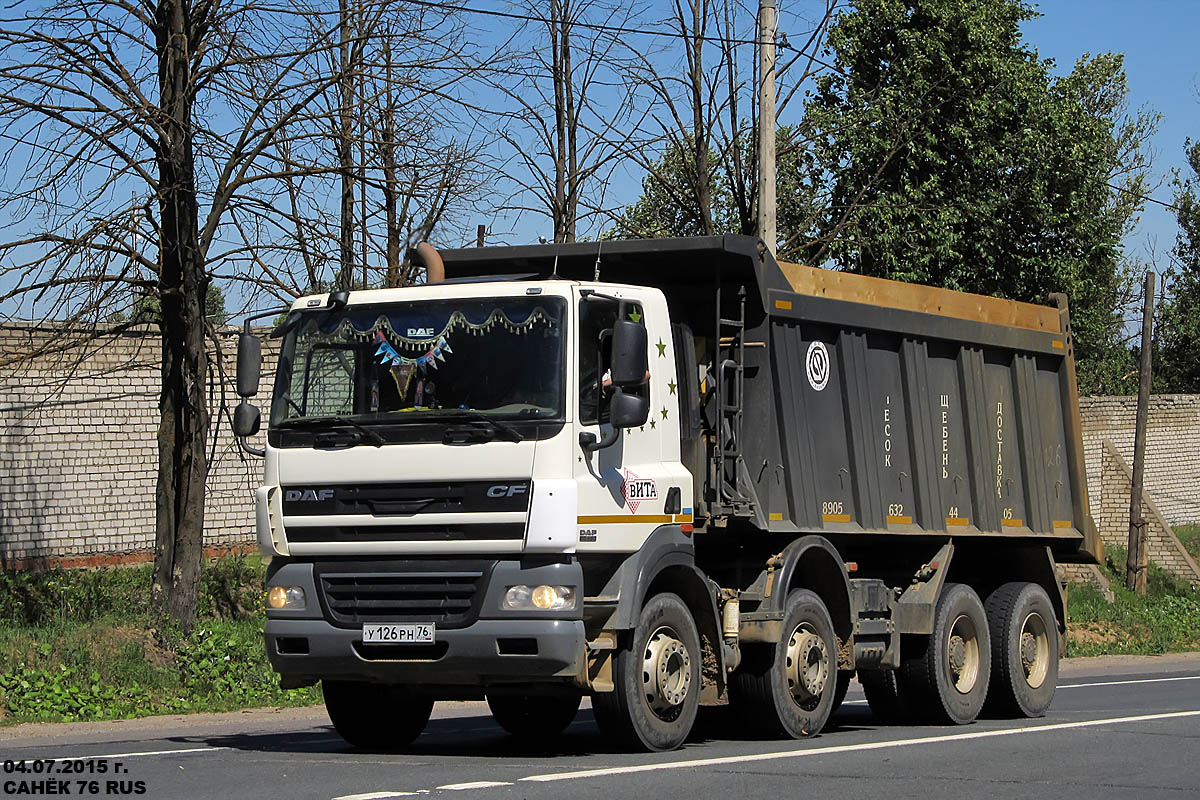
(595, 352)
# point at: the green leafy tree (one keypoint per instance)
(1178, 368)
(667, 206)
(147, 308)
(950, 156)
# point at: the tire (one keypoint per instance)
(788, 688)
(948, 674)
(376, 716)
(885, 695)
(656, 680)
(1024, 650)
(530, 716)
(844, 677)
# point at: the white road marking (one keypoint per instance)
(374, 795)
(848, 748)
(1126, 683)
(473, 785)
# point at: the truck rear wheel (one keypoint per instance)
(656, 680)
(376, 716)
(949, 672)
(1024, 650)
(788, 688)
(529, 716)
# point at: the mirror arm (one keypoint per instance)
(587, 440)
(250, 449)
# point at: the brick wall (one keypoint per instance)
(78, 454)
(78, 448)
(1172, 449)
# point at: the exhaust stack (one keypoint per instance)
(435, 270)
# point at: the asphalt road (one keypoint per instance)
(1122, 728)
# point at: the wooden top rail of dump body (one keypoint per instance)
(884, 293)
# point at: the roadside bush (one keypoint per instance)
(39, 597)
(232, 587)
(85, 645)
(1189, 537)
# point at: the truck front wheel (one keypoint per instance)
(1024, 650)
(788, 688)
(533, 716)
(656, 680)
(376, 716)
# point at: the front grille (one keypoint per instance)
(407, 499)
(448, 598)
(406, 533)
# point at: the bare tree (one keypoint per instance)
(394, 152)
(697, 149)
(568, 114)
(165, 102)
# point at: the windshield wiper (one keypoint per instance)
(308, 422)
(496, 426)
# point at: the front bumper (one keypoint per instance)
(486, 653)
(496, 647)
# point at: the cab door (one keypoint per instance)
(624, 489)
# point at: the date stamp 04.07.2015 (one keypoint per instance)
(80, 777)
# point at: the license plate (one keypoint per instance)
(413, 633)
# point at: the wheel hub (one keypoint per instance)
(958, 654)
(808, 666)
(1035, 650)
(666, 672)
(962, 654)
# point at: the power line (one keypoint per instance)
(597, 26)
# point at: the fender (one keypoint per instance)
(835, 591)
(667, 562)
(666, 547)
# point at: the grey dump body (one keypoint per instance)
(848, 405)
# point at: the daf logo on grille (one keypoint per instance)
(504, 490)
(307, 495)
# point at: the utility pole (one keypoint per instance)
(480, 233)
(766, 123)
(1138, 560)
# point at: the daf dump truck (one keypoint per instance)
(665, 474)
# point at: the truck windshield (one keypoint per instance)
(493, 357)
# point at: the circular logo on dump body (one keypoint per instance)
(816, 364)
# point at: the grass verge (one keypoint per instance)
(83, 645)
(1166, 620)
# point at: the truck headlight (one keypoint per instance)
(289, 597)
(539, 598)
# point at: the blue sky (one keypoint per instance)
(1159, 40)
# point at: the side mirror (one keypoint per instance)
(246, 420)
(628, 410)
(628, 354)
(249, 364)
